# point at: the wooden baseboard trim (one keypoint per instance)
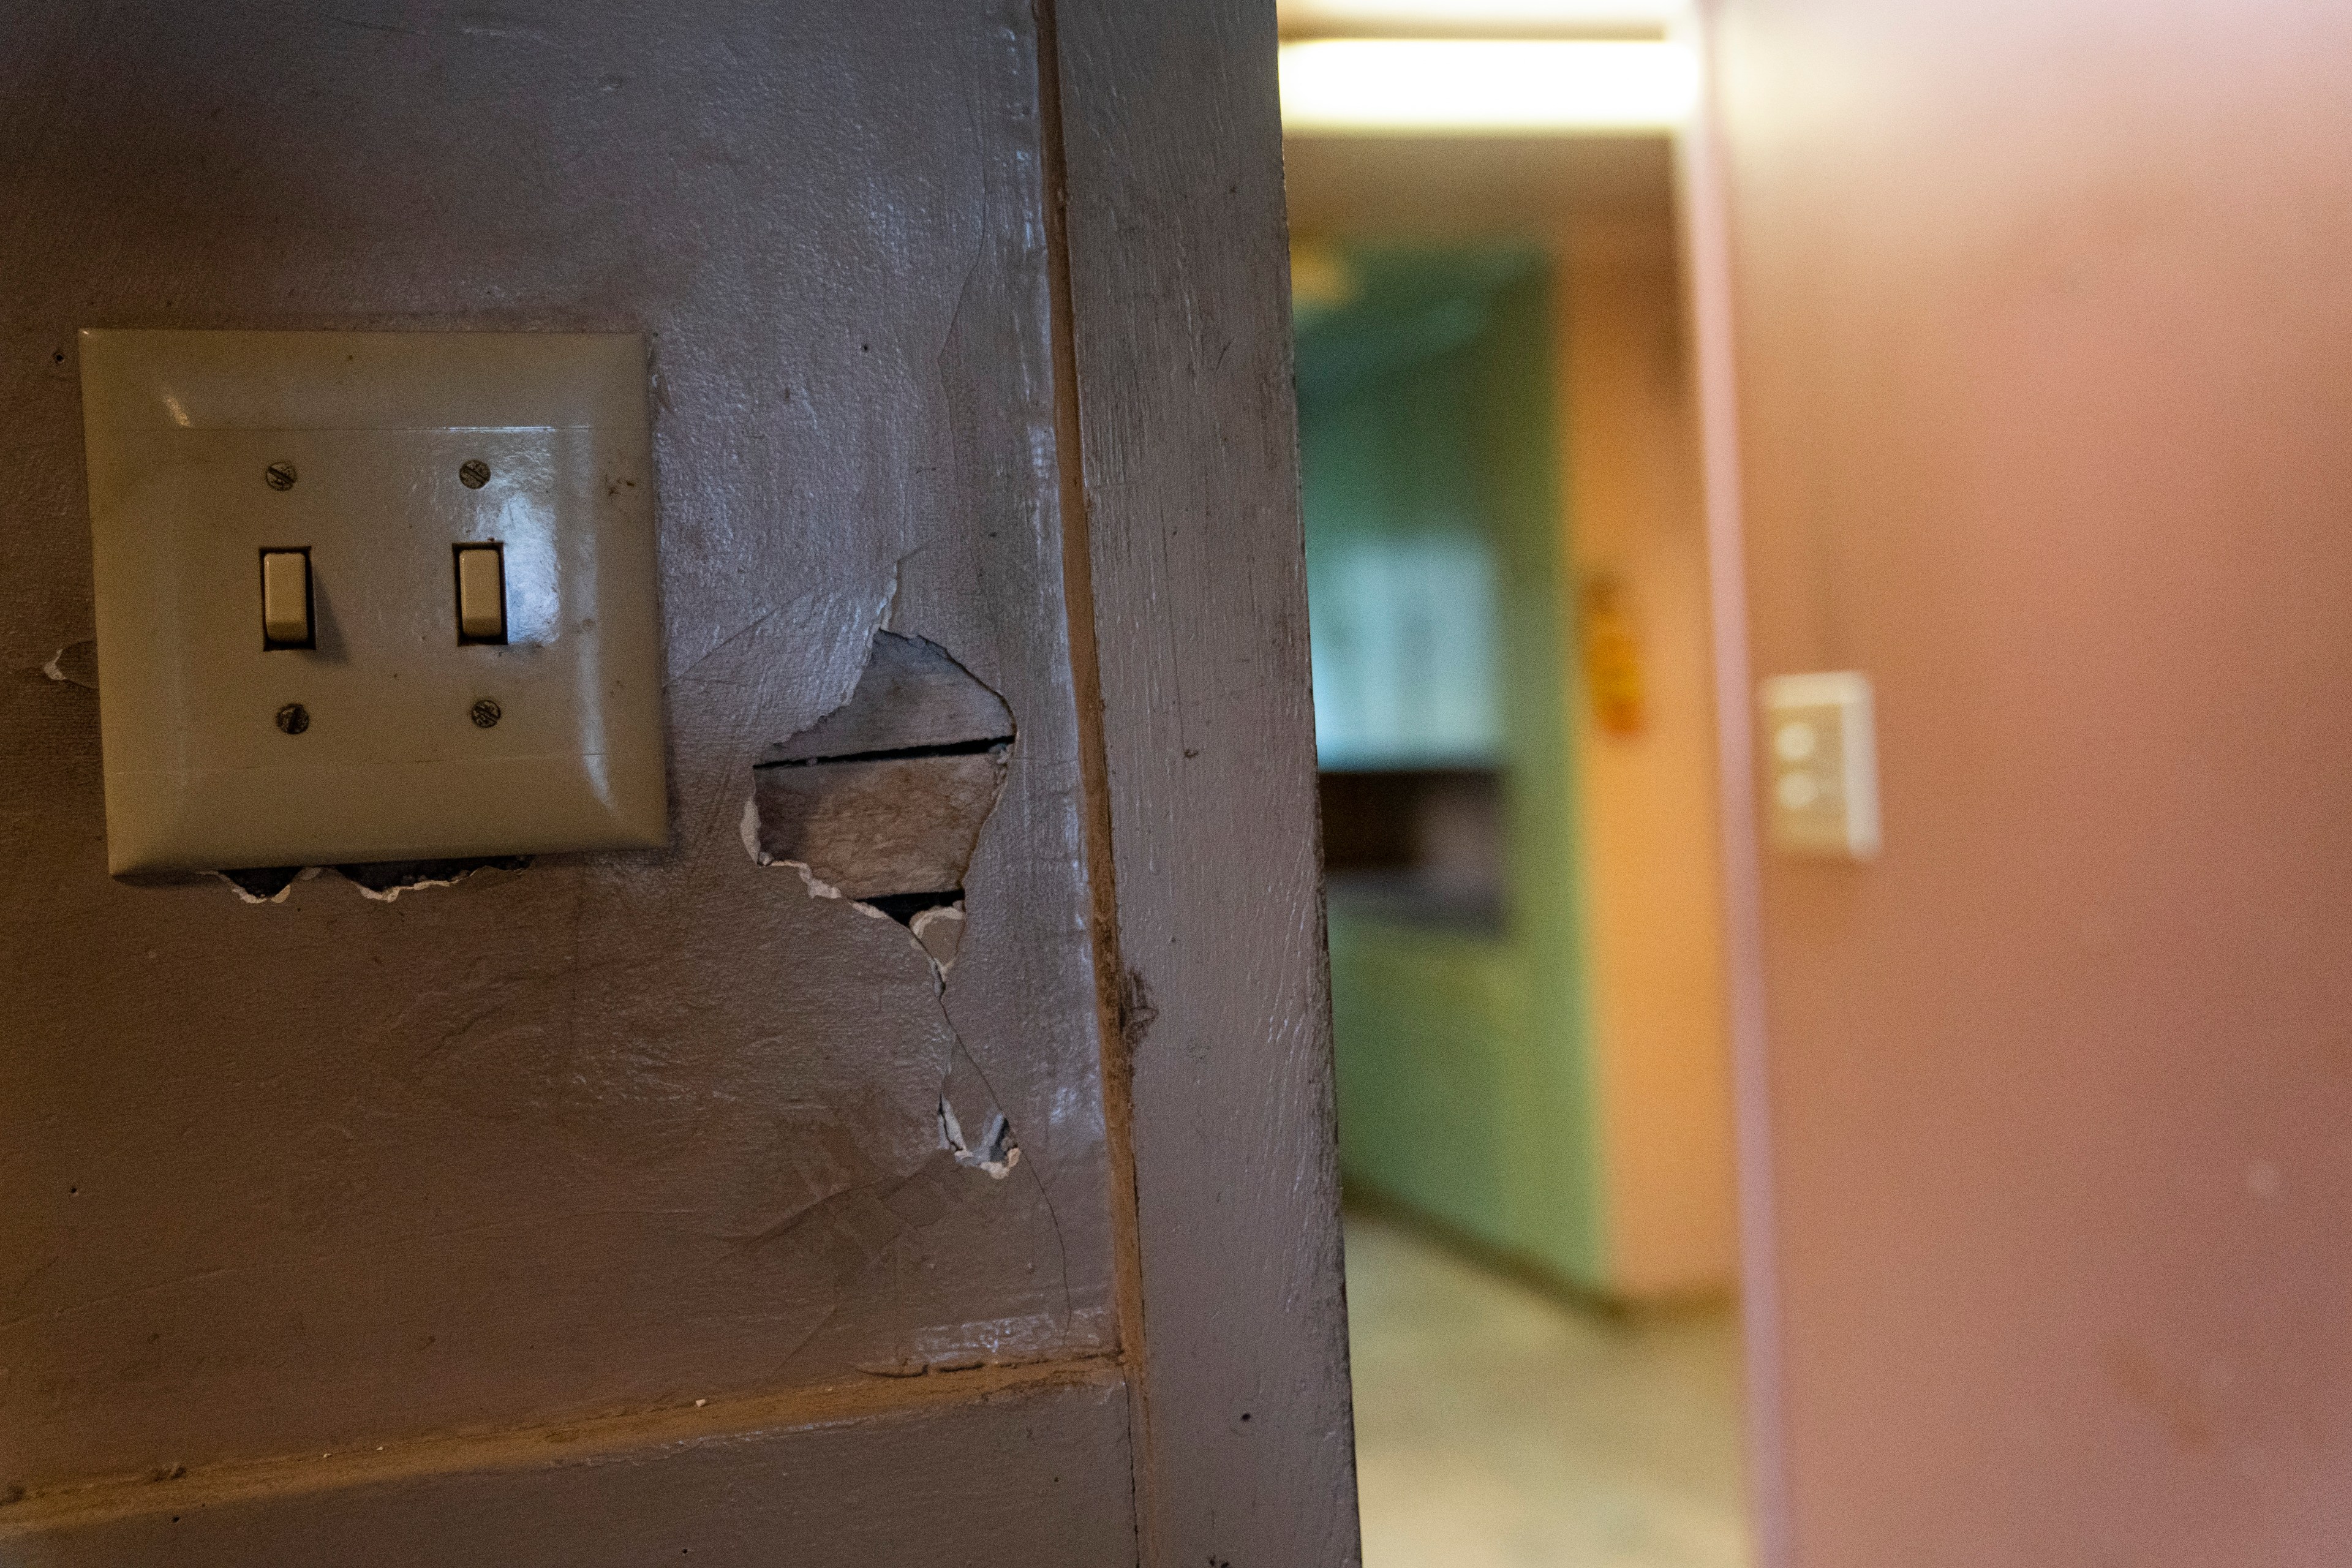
(550, 1446)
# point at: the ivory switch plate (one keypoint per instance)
(1821, 764)
(394, 735)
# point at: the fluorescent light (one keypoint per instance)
(1538, 14)
(1486, 86)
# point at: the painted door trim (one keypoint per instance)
(1189, 610)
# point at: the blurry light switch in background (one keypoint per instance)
(379, 710)
(1821, 764)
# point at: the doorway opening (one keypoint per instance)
(1508, 598)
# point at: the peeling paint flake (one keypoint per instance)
(383, 880)
(997, 1153)
(939, 930)
(76, 664)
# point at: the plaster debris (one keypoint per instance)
(997, 1153)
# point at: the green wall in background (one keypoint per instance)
(1425, 411)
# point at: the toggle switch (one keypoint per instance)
(286, 599)
(481, 593)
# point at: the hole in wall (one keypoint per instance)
(882, 800)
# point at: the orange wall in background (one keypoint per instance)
(2043, 329)
(1636, 535)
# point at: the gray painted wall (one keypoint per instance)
(601, 1210)
(612, 1132)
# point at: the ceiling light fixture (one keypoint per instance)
(1541, 15)
(1487, 86)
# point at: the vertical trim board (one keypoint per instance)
(1706, 239)
(1179, 316)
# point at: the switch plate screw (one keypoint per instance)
(279, 475)
(487, 713)
(473, 473)
(293, 718)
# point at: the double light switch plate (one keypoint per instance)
(368, 596)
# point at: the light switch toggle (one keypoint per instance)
(286, 599)
(481, 593)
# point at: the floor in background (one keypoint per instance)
(1496, 1427)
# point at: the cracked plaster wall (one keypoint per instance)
(608, 1131)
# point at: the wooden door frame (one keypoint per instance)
(1186, 560)
(1705, 210)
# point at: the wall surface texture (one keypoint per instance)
(658, 1137)
(2042, 325)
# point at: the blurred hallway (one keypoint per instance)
(1496, 1427)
